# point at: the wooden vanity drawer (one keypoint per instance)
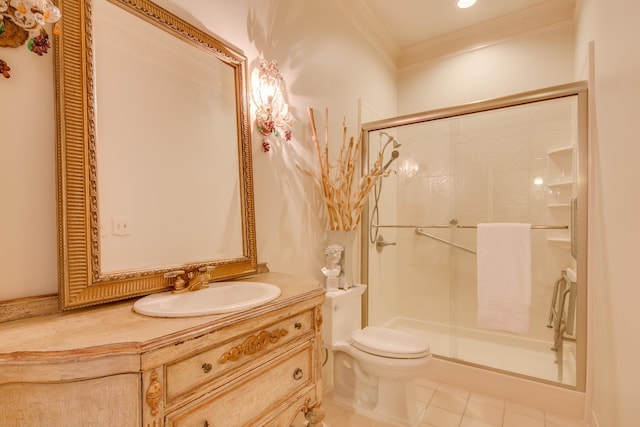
(193, 372)
(248, 399)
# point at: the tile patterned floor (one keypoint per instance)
(449, 406)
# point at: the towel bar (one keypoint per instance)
(533, 227)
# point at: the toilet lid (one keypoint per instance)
(390, 343)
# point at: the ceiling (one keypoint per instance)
(411, 31)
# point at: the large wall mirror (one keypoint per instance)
(154, 163)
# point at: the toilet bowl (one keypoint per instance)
(374, 368)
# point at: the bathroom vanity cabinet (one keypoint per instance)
(109, 366)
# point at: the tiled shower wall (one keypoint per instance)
(495, 166)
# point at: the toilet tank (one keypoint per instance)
(341, 314)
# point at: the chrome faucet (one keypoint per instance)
(196, 281)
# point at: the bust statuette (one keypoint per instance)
(332, 269)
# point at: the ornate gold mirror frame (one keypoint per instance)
(81, 282)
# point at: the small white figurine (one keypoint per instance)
(332, 269)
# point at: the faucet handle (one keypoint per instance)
(172, 274)
(179, 283)
(204, 276)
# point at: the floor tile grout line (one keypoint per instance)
(464, 410)
(437, 386)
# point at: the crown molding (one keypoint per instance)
(542, 17)
(372, 28)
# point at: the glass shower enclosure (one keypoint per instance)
(516, 159)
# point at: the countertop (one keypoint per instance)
(115, 326)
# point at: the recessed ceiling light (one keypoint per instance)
(463, 4)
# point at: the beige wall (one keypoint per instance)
(530, 61)
(27, 176)
(614, 232)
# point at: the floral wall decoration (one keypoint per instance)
(23, 21)
(272, 112)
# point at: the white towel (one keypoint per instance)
(504, 276)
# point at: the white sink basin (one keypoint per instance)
(219, 297)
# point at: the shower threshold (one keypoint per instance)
(511, 353)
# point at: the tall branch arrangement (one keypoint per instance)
(344, 194)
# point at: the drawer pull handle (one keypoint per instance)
(297, 374)
(298, 325)
(206, 367)
(253, 344)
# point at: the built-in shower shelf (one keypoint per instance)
(559, 241)
(559, 205)
(560, 150)
(560, 183)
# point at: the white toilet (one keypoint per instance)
(374, 369)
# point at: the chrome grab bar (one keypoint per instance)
(452, 224)
(561, 314)
(439, 239)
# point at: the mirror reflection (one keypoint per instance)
(167, 157)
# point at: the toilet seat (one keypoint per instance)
(390, 343)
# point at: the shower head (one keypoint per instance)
(394, 155)
(390, 139)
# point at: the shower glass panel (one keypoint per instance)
(518, 159)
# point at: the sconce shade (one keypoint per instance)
(272, 112)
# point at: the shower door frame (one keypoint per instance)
(579, 216)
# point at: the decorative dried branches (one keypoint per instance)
(343, 193)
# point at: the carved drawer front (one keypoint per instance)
(250, 398)
(288, 415)
(195, 371)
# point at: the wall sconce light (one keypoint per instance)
(272, 112)
(24, 20)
